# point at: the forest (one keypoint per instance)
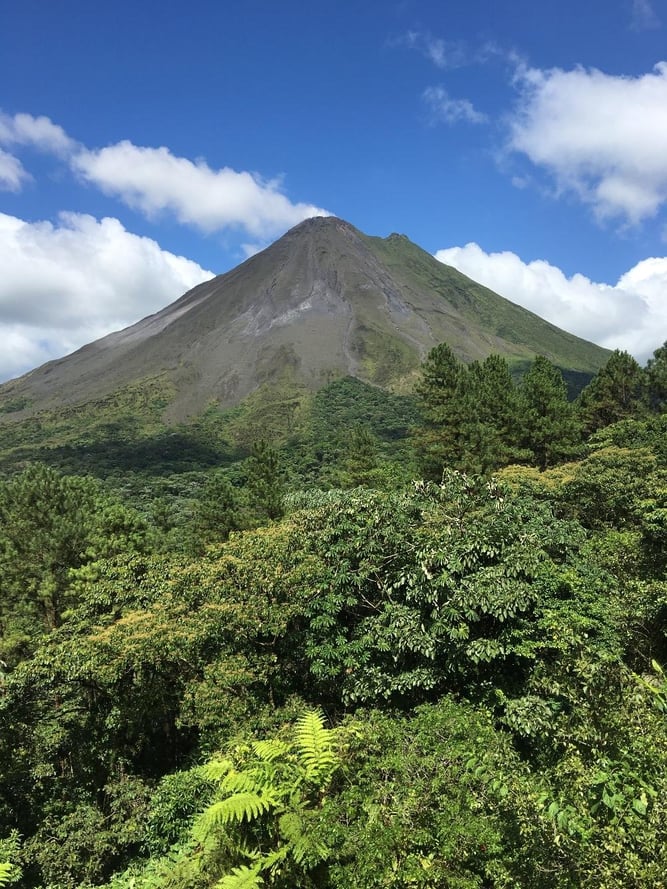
(413, 641)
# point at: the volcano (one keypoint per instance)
(322, 302)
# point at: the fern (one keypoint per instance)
(270, 750)
(304, 848)
(5, 873)
(242, 877)
(248, 805)
(248, 781)
(216, 769)
(315, 745)
(269, 794)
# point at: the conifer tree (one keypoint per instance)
(439, 441)
(618, 392)
(493, 412)
(218, 511)
(266, 480)
(550, 430)
(656, 373)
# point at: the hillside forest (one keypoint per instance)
(404, 641)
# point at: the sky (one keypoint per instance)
(146, 146)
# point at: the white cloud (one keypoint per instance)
(153, 181)
(12, 173)
(65, 285)
(449, 110)
(38, 132)
(631, 314)
(644, 17)
(602, 137)
(443, 53)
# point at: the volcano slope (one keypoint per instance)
(323, 302)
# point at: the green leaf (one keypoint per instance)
(242, 877)
(238, 807)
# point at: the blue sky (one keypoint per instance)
(144, 146)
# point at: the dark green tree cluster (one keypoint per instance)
(477, 419)
(50, 526)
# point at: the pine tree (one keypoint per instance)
(493, 414)
(218, 511)
(656, 373)
(549, 428)
(618, 392)
(439, 441)
(266, 480)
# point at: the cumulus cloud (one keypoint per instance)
(445, 108)
(154, 181)
(602, 137)
(64, 285)
(38, 132)
(12, 173)
(630, 314)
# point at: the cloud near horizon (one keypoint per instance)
(601, 137)
(68, 284)
(630, 314)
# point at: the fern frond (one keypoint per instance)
(236, 808)
(271, 859)
(310, 851)
(242, 877)
(303, 847)
(270, 749)
(290, 826)
(315, 744)
(248, 781)
(5, 872)
(216, 769)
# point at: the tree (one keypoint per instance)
(492, 416)
(617, 392)
(218, 511)
(549, 428)
(51, 524)
(265, 480)
(442, 394)
(656, 372)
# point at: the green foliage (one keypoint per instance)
(257, 830)
(656, 373)
(617, 392)
(512, 632)
(50, 525)
(549, 428)
(10, 853)
(219, 510)
(410, 812)
(429, 591)
(476, 420)
(265, 480)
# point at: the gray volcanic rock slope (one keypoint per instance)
(321, 302)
